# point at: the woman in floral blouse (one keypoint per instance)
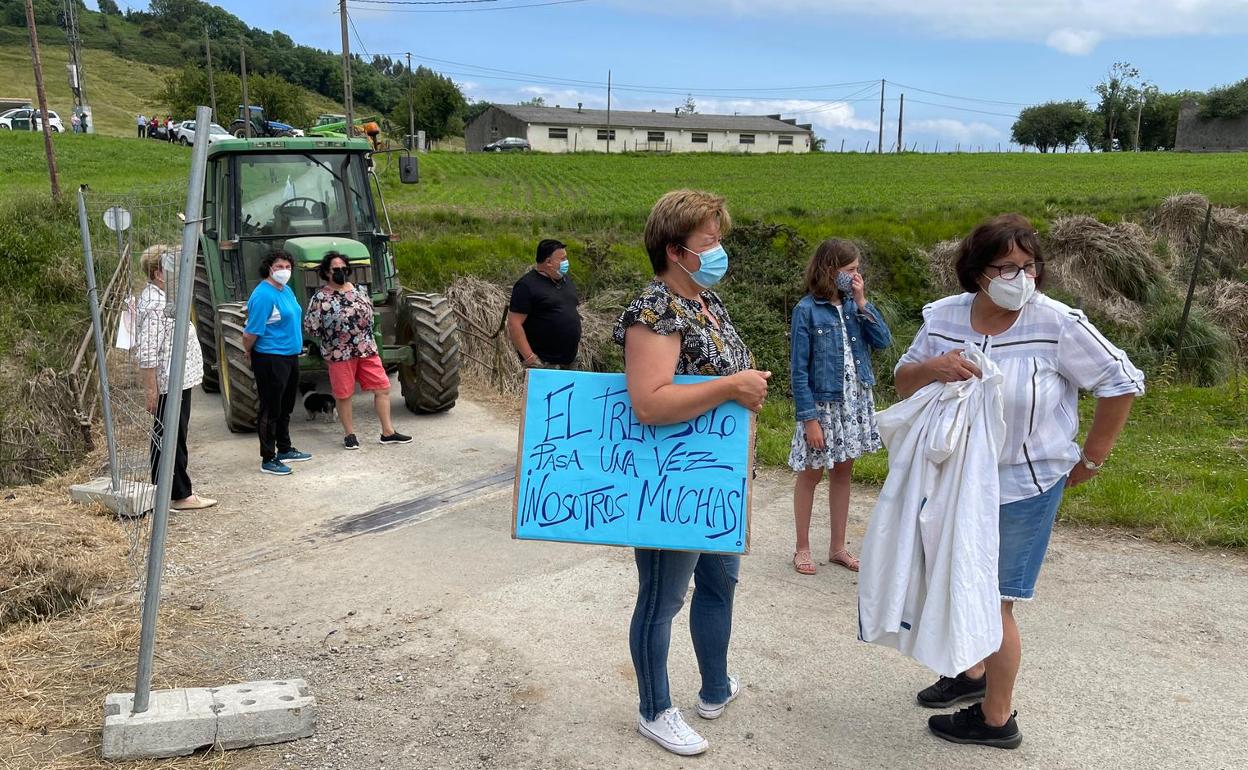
(341, 317)
(679, 326)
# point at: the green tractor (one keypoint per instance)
(309, 196)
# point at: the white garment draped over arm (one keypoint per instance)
(928, 585)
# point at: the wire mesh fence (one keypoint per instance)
(135, 242)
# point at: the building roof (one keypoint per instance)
(568, 116)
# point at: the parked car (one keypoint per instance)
(185, 133)
(26, 116)
(162, 133)
(509, 144)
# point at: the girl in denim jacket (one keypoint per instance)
(834, 329)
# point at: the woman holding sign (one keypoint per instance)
(679, 326)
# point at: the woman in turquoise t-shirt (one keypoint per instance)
(272, 342)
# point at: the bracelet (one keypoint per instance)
(1088, 463)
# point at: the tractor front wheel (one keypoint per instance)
(427, 324)
(239, 397)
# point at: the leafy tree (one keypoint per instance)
(536, 101)
(280, 100)
(689, 107)
(1051, 125)
(187, 88)
(438, 104)
(1225, 101)
(109, 8)
(1120, 93)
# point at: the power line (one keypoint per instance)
(423, 2)
(932, 104)
(961, 98)
(459, 10)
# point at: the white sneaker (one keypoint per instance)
(670, 731)
(710, 711)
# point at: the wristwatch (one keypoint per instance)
(1086, 463)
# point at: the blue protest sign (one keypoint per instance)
(589, 472)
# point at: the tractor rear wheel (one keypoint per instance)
(239, 397)
(205, 326)
(427, 324)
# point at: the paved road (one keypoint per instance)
(432, 639)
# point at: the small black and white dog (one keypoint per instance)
(317, 404)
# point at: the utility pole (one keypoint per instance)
(212, 89)
(346, 73)
(1139, 119)
(608, 112)
(879, 147)
(76, 80)
(411, 108)
(348, 196)
(901, 112)
(43, 101)
(242, 65)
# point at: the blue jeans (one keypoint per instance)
(1025, 527)
(663, 578)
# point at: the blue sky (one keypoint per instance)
(752, 56)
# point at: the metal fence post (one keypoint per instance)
(173, 406)
(97, 332)
(1191, 288)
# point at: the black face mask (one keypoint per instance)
(340, 275)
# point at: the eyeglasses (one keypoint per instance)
(1011, 271)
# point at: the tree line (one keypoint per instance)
(1130, 114)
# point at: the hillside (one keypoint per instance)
(117, 88)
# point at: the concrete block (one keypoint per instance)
(178, 722)
(135, 498)
(256, 713)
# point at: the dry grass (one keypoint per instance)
(1113, 269)
(70, 634)
(1228, 301)
(940, 260)
(1178, 221)
(40, 433)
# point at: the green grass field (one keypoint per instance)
(1180, 471)
(117, 89)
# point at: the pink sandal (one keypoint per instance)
(803, 563)
(844, 558)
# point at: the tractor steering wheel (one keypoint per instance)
(307, 209)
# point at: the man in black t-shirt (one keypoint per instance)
(542, 321)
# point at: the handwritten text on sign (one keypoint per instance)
(589, 472)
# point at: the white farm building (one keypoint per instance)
(568, 129)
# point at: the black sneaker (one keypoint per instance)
(968, 726)
(950, 690)
(350, 441)
(396, 438)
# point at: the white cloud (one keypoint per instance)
(1077, 42)
(956, 130)
(1070, 26)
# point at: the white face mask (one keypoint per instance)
(280, 276)
(1013, 293)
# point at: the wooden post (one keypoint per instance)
(43, 101)
(879, 147)
(212, 89)
(242, 63)
(901, 112)
(1191, 288)
(411, 106)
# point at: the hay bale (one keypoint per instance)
(1178, 222)
(940, 260)
(1105, 263)
(1228, 302)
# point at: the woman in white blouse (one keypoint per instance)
(1047, 352)
(155, 355)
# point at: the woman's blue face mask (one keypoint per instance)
(714, 265)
